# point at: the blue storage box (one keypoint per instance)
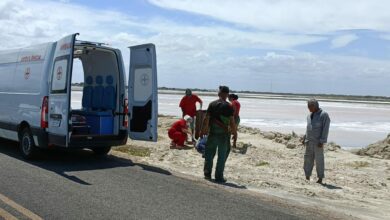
(100, 124)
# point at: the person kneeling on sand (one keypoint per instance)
(178, 132)
(316, 136)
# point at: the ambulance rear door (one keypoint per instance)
(142, 93)
(59, 91)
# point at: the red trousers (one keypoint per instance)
(177, 137)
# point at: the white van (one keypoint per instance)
(35, 96)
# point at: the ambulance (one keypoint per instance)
(36, 94)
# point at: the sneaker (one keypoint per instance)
(319, 180)
(308, 178)
(207, 176)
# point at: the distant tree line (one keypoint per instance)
(322, 96)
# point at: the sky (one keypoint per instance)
(302, 46)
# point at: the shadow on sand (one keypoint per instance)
(229, 184)
(233, 185)
(62, 162)
(329, 186)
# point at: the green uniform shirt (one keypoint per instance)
(220, 111)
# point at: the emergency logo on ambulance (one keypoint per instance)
(145, 79)
(59, 73)
(27, 73)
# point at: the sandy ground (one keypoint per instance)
(380, 149)
(271, 163)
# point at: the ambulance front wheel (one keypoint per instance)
(101, 151)
(26, 144)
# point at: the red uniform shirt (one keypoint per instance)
(236, 106)
(188, 104)
(178, 126)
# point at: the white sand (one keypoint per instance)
(357, 186)
(380, 149)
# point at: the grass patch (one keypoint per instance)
(359, 164)
(134, 150)
(262, 163)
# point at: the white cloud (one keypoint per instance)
(292, 72)
(275, 56)
(196, 55)
(343, 40)
(57, 19)
(298, 16)
(26, 22)
(385, 36)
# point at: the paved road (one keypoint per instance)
(77, 185)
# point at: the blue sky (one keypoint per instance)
(297, 46)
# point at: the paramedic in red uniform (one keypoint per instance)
(233, 99)
(188, 107)
(178, 132)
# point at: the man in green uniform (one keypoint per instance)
(219, 125)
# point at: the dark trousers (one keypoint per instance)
(220, 142)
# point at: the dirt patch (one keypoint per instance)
(262, 163)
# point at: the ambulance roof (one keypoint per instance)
(26, 54)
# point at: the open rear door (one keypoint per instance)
(59, 91)
(142, 93)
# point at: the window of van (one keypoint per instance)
(59, 76)
(77, 84)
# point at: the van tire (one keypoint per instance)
(27, 145)
(101, 151)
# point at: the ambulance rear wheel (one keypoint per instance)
(26, 144)
(101, 151)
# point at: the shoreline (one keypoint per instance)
(280, 137)
(342, 132)
(276, 96)
(290, 97)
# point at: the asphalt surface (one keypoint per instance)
(78, 185)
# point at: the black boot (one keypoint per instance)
(220, 180)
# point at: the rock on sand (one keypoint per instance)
(380, 149)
